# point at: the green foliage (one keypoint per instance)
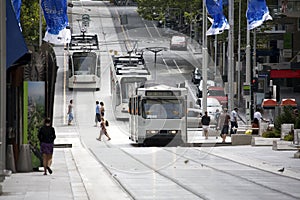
(30, 21)
(271, 134)
(286, 117)
(289, 137)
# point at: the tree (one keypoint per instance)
(30, 21)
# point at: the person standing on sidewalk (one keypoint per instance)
(70, 112)
(103, 130)
(205, 124)
(98, 116)
(46, 137)
(102, 110)
(233, 121)
(223, 124)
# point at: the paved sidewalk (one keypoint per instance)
(77, 175)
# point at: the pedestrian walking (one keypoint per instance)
(98, 115)
(257, 118)
(103, 130)
(70, 112)
(102, 110)
(46, 136)
(205, 124)
(233, 121)
(223, 124)
(217, 115)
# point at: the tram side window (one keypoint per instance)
(130, 106)
(118, 94)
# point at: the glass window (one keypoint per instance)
(129, 85)
(162, 109)
(84, 63)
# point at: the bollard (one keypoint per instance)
(24, 162)
(10, 159)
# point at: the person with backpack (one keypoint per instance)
(103, 130)
(205, 124)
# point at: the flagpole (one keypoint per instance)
(204, 58)
(230, 56)
(2, 86)
(40, 23)
(239, 56)
(248, 76)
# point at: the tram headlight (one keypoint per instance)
(174, 132)
(152, 132)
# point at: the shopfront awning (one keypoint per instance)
(15, 44)
(288, 102)
(284, 73)
(269, 103)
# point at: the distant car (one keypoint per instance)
(218, 93)
(213, 105)
(194, 118)
(196, 76)
(178, 43)
(209, 83)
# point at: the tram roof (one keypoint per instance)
(133, 72)
(84, 41)
(159, 87)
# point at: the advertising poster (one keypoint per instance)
(34, 114)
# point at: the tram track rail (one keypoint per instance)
(188, 155)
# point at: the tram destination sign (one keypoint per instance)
(163, 93)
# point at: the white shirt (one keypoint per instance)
(257, 115)
(233, 116)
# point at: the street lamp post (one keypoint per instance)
(155, 50)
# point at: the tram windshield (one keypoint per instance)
(162, 109)
(84, 63)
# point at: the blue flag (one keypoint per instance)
(17, 8)
(257, 13)
(55, 13)
(219, 22)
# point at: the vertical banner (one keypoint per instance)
(16, 46)
(219, 22)
(17, 8)
(34, 115)
(257, 13)
(55, 13)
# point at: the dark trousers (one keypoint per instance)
(233, 125)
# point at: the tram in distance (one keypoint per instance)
(158, 113)
(127, 73)
(84, 62)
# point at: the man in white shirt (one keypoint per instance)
(233, 121)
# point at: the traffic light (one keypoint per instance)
(254, 84)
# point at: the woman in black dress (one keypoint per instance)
(47, 136)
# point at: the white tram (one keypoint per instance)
(84, 62)
(158, 113)
(127, 73)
